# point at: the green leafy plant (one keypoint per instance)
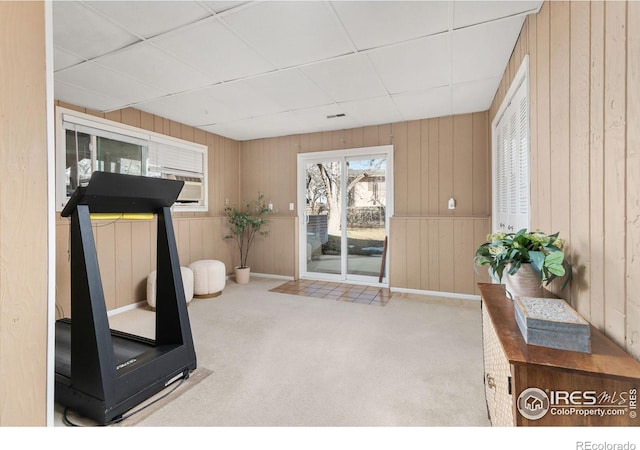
(508, 251)
(247, 223)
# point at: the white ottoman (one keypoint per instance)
(209, 278)
(187, 281)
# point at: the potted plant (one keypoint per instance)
(246, 224)
(530, 259)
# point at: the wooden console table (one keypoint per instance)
(527, 385)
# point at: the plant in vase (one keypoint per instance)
(247, 224)
(531, 259)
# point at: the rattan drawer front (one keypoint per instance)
(497, 376)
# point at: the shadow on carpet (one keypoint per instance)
(145, 409)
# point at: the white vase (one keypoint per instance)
(243, 275)
(524, 283)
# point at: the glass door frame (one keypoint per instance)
(344, 155)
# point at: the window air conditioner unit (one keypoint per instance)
(192, 191)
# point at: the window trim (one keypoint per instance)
(64, 114)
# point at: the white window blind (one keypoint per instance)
(511, 159)
(169, 159)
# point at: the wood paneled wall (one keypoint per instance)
(434, 160)
(24, 215)
(126, 249)
(585, 151)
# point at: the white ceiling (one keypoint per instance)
(247, 70)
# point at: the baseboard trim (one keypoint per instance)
(122, 309)
(268, 275)
(436, 293)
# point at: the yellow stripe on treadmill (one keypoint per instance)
(125, 216)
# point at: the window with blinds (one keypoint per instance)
(86, 144)
(511, 187)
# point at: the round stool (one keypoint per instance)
(187, 282)
(209, 278)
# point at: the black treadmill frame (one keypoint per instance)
(98, 386)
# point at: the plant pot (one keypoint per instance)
(524, 283)
(243, 275)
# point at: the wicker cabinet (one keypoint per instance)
(528, 385)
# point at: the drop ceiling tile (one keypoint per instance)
(154, 67)
(271, 125)
(63, 59)
(414, 66)
(372, 111)
(213, 49)
(290, 89)
(150, 18)
(243, 99)
(96, 78)
(84, 98)
(348, 78)
(426, 104)
(291, 33)
(467, 13)
(483, 51)
(474, 96)
(219, 7)
(378, 23)
(194, 108)
(82, 31)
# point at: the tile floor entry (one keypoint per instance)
(342, 292)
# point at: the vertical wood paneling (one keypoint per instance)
(434, 255)
(425, 261)
(446, 255)
(579, 154)
(480, 230)
(480, 160)
(596, 156)
(633, 174)
(614, 168)
(445, 164)
(401, 168)
(140, 257)
(424, 167)
(584, 65)
(559, 178)
(104, 236)
(196, 240)
(413, 264)
(433, 179)
(543, 219)
(463, 249)
(462, 168)
(414, 171)
(397, 253)
(533, 115)
(130, 116)
(124, 294)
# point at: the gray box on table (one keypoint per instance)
(552, 322)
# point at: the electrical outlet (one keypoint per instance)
(452, 203)
(291, 207)
(270, 206)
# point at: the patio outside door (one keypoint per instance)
(344, 217)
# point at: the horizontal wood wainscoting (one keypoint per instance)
(436, 253)
(127, 253)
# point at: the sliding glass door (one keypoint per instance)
(344, 211)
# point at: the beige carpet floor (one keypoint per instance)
(277, 359)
